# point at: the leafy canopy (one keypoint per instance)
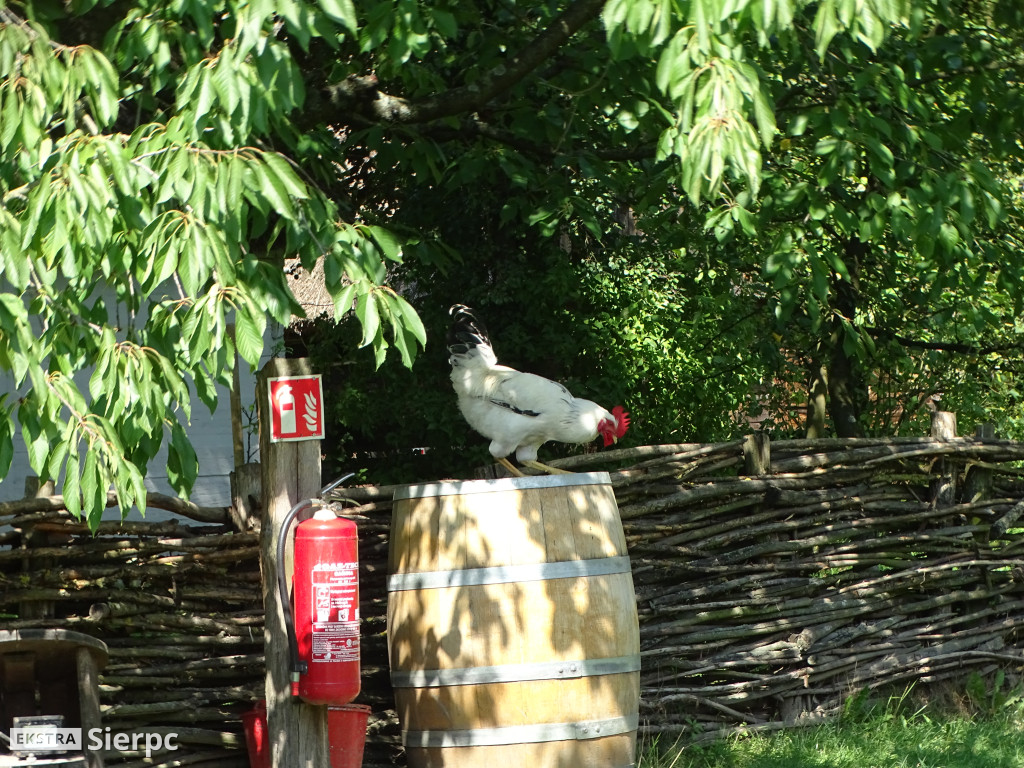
(878, 264)
(146, 215)
(160, 162)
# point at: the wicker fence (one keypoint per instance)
(772, 580)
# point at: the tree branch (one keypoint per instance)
(357, 98)
(473, 127)
(957, 347)
(153, 500)
(939, 75)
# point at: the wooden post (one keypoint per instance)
(757, 454)
(943, 487)
(978, 480)
(246, 496)
(291, 473)
(943, 425)
(943, 484)
(89, 699)
(37, 609)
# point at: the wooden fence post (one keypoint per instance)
(943, 487)
(291, 473)
(757, 454)
(978, 480)
(31, 538)
(246, 496)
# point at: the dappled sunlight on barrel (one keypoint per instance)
(512, 624)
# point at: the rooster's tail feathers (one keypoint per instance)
(467, 338)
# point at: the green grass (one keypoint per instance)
(884, 737)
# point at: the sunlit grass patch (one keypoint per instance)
(887, 736)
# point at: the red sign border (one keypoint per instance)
(320, 394)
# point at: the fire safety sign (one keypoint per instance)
(296, 408)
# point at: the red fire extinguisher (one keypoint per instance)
(323, 630)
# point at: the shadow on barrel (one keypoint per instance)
(512, 624)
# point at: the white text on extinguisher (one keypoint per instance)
(335, 633)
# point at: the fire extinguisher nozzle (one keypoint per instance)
(335, 483)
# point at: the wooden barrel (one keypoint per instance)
(512, 624)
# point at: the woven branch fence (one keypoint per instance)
(773, 581)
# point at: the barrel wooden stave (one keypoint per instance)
(495, 705)
(521, 623)
(453, 532)
(514, 626)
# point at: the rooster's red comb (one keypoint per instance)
(621, 420)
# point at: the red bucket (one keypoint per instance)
(256, 735)
(346, 733)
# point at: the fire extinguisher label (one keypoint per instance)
(335, 612)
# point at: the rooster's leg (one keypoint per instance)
(510, 467)
(545, 468)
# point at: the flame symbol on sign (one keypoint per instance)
(309, 413)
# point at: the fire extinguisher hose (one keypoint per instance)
(296, 666)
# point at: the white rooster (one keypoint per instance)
(519, 411)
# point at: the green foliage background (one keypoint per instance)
(805, 213)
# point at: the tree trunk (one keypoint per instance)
(842, 391)
(817, 403)
(846, 389)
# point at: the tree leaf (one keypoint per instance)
(826, 26)
(341, 11)
(182, 464)
(249, 329)
(387, 242)
(369, 318)
(270, 185)
(343, 301)
(411, 320)
(72, 483)
(91, 483)
(6, 439)
(764, 116)
(277, 165)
